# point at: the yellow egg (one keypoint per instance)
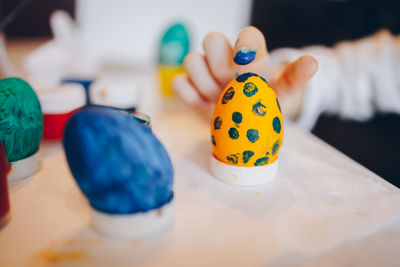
(247, 126)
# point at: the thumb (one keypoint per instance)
(250, 52)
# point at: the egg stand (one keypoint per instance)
(25, 167)
(133, 226)
(239, 175)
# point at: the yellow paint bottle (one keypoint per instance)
(166, 75)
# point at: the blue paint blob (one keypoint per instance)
(243, 77)
(247, 155)
(261, 161)
(118, 163)
(232, 158)
(228, 95)
(252, 135)
(259, 109)
(213, 140)
(244, 56)
(233, 133)
(276, 124)
(250, 89)
(275, 147)
(279, 106)
(237, 117)
(217, 123)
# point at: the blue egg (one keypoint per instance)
(117, 162)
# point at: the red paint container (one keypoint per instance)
(57, 106)
(53, 125)
(4, 198)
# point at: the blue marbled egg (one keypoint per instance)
(118, 163)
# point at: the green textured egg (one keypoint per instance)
(174, 45)
(21, 119)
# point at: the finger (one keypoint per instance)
(197, 69)
(296, 75)
(186, 91)
(219, 55)
(250, 52)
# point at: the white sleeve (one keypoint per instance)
(355, 79)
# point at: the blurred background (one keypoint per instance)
(128, 35)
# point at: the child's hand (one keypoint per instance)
(208, 74)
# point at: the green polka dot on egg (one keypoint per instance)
(233, 133)
(217, 123)
(261, 161)
(259, 109)
(213, 140)
(228, 95)
(233, 158)
(247, 155)
(279, 106)
(250, 89)
(276, 125)
(252, 135)
(237, 117)
(275, 147)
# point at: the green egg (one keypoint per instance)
(21, 123)
(174, 45)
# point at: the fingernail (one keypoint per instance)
(244, 56)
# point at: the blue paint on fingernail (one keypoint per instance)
(244, 56)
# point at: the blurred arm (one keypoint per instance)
(354, 80)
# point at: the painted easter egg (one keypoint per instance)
(174, 45)
(21, 119)
(247, 127)
(117, 162)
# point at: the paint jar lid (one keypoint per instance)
(115, 92)
(62, 99)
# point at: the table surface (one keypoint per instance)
(323, 209)
(321, 205)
